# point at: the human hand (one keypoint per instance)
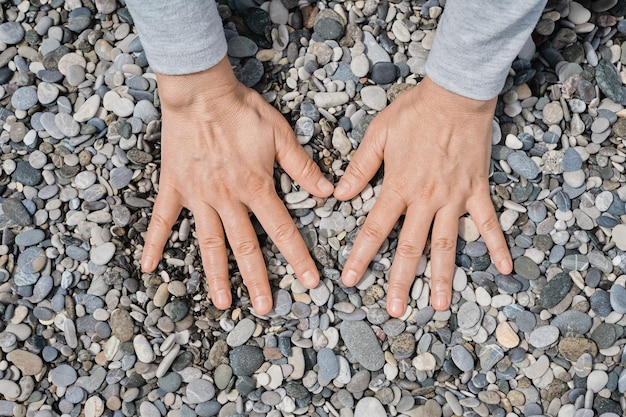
(219, 143)
(436, 147)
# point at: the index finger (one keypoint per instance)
(167, 207)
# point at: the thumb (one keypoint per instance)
(297, 163)
(363, 166)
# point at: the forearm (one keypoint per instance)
(179, 36)
(477, 41)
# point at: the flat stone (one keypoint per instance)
(544, 336)
(555, 290)
(63, 375)
(523, 165)
(362, 343)
(101, 255)
(16, 212)
(572, 321)
(329, 24)
(608, 81)
(374, 97)
(327, 361)
(241, 47)
(462, 358)
(369, 406)
(11, 33)
(120, 177)
(199, 391)
(143, 349)
(572, 347)
(245, 360)
(28, 363)
(618, 298)
(241, 333)
(24, 97)
(526, 267)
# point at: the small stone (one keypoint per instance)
(101, 255)
(619, 236)
(199, 391)
(555, 290)
(618, 298)
(63, 375)
(462, 358)
(24, 97)
(241, 333)
(608, 81)
(327, 361)
(544, 336)
(11, 33)
(170, 382)
(245, 360)
(553, 113)
(241, 47)
(374, 97)
(506, 336)
(523, 165)
(28, 363)
(16, 212)
(572, 347)
(329, 24)
(369, 406)
(384, 73)
(143, 349)
(362, 344)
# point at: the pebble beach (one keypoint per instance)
(85, 333)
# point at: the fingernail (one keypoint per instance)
(342, 187)
(396, 307)
(220, 298)
(146, 264)
(262, 303)
(350, 277)
(505, 265)
(440, 300)
(325, 186)
(310, 279)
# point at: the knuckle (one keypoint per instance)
(408, 250)
(309, 170)
(285, 232)
(158, 222)
(211, 242)
(442, 244)
(398, 287)
(258, 188)
(356, 169)
(491, 225)
(372, 233)
(246, 248)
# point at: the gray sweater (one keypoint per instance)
(476, 40)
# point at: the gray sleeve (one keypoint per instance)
(476, 42)
(179, 36)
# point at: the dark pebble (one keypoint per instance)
(608, 81)
(26, 174)
(600, 303)
(555, 290)
(245, 360)
(250, 73)
(384, 73)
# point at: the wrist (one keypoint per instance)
(448, 101)
(200, 90)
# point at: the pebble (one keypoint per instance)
(24, 97)
(241, 333)
(199, 391)
(362, 344)
(369, 406)
(374, 97)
